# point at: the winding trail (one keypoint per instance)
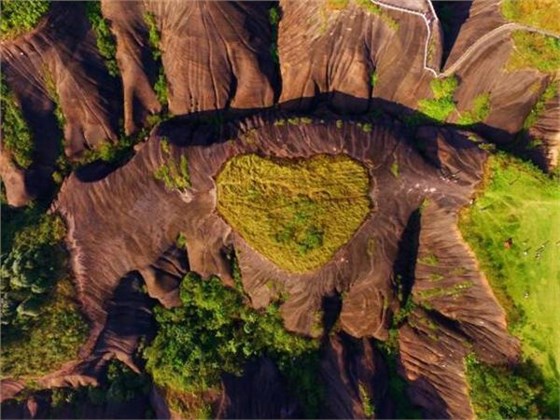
(430, 16)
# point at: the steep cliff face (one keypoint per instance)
(150, 217)
(224, 47)
(353, 56)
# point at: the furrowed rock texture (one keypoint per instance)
(350, 368)
(140, 233)
(260, 393)
(57, 64)
(215, 55)
(336, 52)
(544, 135)
(479, 58)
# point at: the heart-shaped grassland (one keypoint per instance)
(297, 213)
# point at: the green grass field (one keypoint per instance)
(521, 203)
(296, 213)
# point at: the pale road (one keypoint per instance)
(430, 15)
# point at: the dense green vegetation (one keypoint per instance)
(440, 107)
(175, 175)
(517, 206)
(31, 268)
(16, 135)
(215, 331)
(479, 111)
(154, 39)
(104, 38)
(542, 14)
(297, 213)
(498, 392)
(534, 50)
(36, 346)
(41, 324)
(19, 17)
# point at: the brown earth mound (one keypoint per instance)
(150, 217)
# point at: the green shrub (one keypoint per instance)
(16, 135)
(534, 50)
(103, 36)
(440, 107)
(19, 17)
(378, 10)
(367, 404)
(538, 109)
(274, 19)
(31, 348)
(160, 87)
(154, 37)
(175, 175)
(30, 270)
(479, 112)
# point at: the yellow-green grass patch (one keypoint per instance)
(542, 14)
(297, 213)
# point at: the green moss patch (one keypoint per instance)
(297, 213)
(19, 17)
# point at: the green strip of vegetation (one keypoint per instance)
(542, 14)
(532, 50)
(154, 39)
(479, 111)
(215, 331)
(367, 404)
(16, 135)
(538, 109)
(509, 229)
(103, 36)
(274, 19)
(19, 17)
(297, 213)
(377, 10)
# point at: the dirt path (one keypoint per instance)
(430, 16)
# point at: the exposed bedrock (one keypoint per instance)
(59, 58)
(337, 51)
(261, 393)
(351, 368)
(57, 65)
(139, 235)
(215, 55)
